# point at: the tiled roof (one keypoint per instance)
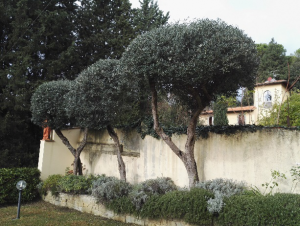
(271, 83)
(232, 110)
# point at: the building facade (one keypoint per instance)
(265, 96)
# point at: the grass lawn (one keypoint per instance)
(41, 213)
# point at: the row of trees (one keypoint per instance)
(49, 40)
(194, 61)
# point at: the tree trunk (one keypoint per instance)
(77, 165)
(186, 157)
(121, 164)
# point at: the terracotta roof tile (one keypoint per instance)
(232, 110)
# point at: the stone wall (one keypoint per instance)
(243, 156)
(88, 204)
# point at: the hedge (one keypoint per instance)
(280, 209)
(8, 180)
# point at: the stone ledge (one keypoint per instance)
(88, 204)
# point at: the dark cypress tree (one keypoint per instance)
(148, 16)
(220, 113)
(104, 30)
(36, 37)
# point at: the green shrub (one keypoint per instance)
(278, 209)
(50, 184)
(10, 177)
(75, 184)
(221, 188)
(107, 189)
(191, 206)
(122, 205)
(146, 189)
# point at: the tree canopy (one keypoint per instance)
(209, 56)
(273, 62)
(48, 105)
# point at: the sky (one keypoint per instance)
(261, 20)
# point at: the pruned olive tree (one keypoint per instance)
(196, 62)
(100, 99)
(48, 107)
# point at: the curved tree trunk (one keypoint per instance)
(186, 157)
(121, 164)
(77, 165)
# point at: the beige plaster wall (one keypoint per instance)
(54, 156)
(244, 156)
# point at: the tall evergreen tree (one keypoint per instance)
(36, 36)
(220, 113)
(148, 16)
(273, 63)
(104, 30)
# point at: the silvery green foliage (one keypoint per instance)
(215, 205)
(48, 103)
(210, 56)
(109, 188)
(221, 188)
(100, 95)
(141, 192)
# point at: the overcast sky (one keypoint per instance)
(262, 20)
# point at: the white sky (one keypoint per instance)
(262, 20)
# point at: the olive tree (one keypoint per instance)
(196, 62)
(48, 107)
(100, 99)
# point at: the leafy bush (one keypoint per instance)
(122, 205)
(75, 184)
(190, 206)
(278, 209)
(10, 177)
(107, 189)
(221, 188)
(144, 190)
(50, 184)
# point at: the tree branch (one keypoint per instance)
(157, 127)
(66, 142)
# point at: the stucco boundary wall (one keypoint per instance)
(243, 156)
(88, 204)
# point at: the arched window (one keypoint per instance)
(267, 99)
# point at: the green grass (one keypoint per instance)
(41, 213)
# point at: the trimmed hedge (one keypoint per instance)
(8, 180)
(190, 206)
(280, 209)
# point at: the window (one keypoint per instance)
(210, 121)
(267, 99)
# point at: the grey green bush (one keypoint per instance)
(143, 191)
(107, 189)
(221, 188)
